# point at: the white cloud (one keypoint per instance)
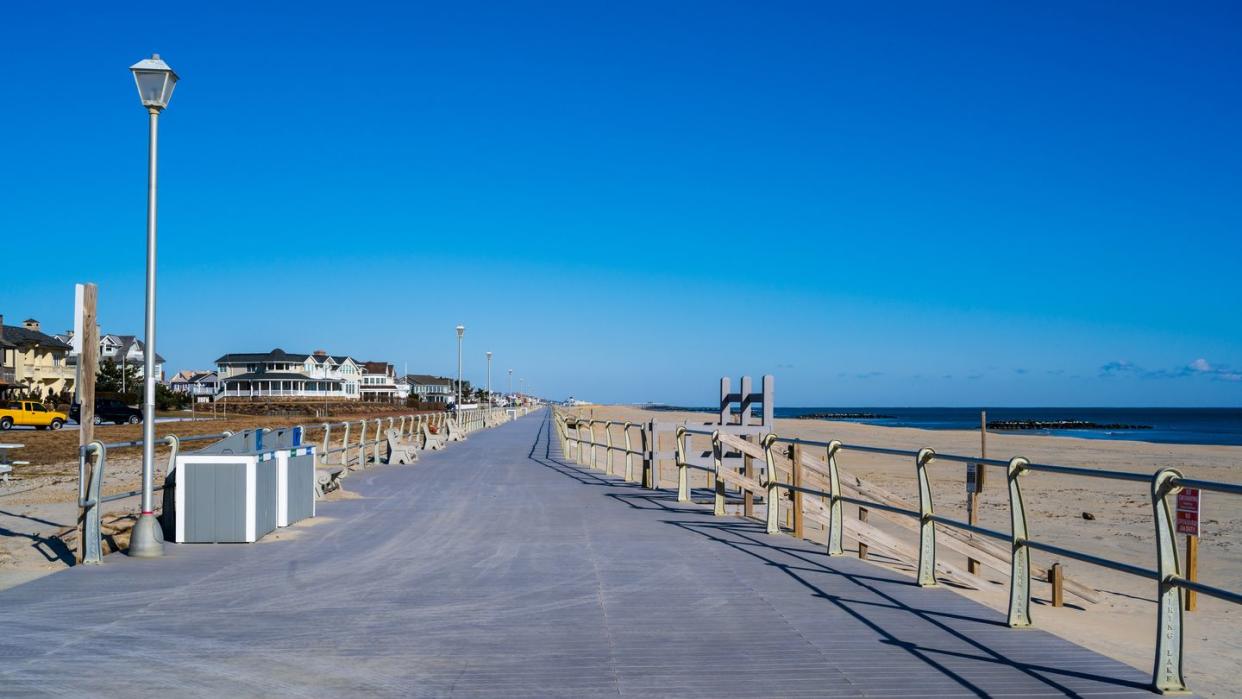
(1200, 365)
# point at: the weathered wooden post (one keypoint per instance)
(1056, 578)
(1192, 569)
(88, 365)
(795, 456)
(862, 548)
(608, 448)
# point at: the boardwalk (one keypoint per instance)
(494, 568)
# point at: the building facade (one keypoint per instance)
(122, 349)
(33, 362)
(201, 386)
(280, 374)
(379, 382)
(430, 389)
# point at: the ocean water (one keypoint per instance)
(1166, 425)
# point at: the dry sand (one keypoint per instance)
(1123, 624)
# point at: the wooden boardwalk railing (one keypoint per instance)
(820, 478)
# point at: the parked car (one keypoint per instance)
(108, 410)
(30, 413)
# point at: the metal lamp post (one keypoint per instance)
(155, 81)
(510, 384)
(489, 379)
(461, 330)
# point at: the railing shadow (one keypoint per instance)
(749, 538)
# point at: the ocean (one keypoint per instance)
(1161, 425)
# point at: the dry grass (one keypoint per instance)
(56, 453)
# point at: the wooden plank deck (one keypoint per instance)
(495, 568)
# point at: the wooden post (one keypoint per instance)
(862, 548)
(88, 365)
(795, 455)
(973, 471)
(983, 447)
(1192, 570)
(1056, 576)
(972, 495)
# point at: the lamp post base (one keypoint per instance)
(146, 540)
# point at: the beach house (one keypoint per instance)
(280, 374)
(430, 389)
(33, 361)
(201, 386)
(379, 382)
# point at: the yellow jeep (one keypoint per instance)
(30, 413)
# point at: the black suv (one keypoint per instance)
(108, 410)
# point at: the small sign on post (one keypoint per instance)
(1188, 511)
(1188, 519)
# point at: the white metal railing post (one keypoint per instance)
(836, 525)
(718, 504)
(594, 459)
(771, 496)
(608, 448)
(1167, 674)
(92, 540)
(1020, 553)
(683, 480)
(927, 526)
(629, 456)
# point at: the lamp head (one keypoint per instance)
(155, 81)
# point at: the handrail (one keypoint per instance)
(1167, 675)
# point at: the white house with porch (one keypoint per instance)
(280, 374)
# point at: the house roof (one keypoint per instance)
(17, 336)
(277, 376)
(377, 367)
(191, 376)
(128, 341)
(427, 380)
(276, 355)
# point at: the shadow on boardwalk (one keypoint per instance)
(879, 589)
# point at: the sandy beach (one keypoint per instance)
(1105, 518)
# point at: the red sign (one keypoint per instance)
(1188, 511)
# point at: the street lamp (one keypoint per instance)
(461, 330)
(510, 384)
(155, 81)
(489, 379)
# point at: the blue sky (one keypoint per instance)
(881, 204)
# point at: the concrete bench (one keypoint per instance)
(328, 479)
(399, 452)
(454, 432)
(431, 441)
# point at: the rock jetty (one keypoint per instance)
(1004, 425)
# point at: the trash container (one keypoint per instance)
(226, 492)
(295, 474)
